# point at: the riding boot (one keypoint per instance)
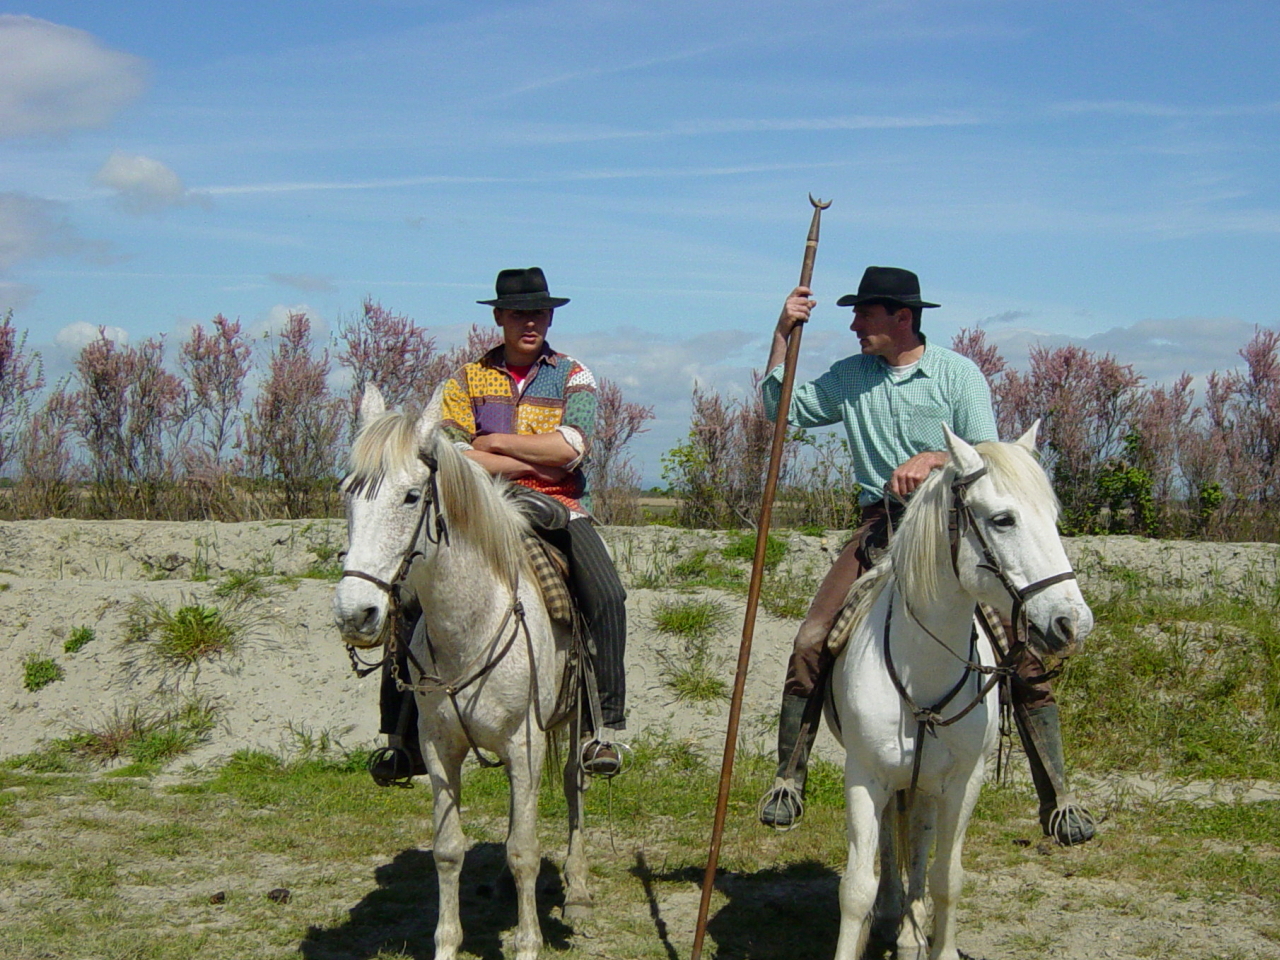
(400, 760)
(783, 806)
(1061, 816)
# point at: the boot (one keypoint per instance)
(783, 806)
(400, 760)
(1061, 816)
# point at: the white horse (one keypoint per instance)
(982, 529)
(487, 661)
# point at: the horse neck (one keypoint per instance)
(945, 617)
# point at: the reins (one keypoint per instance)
(960, 519)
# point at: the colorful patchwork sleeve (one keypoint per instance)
(456, 416)
(580, 402)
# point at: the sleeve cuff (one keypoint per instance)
(573, 437)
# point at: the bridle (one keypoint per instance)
(961, 520)
(435, 533)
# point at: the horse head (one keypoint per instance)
(388, 492)
(1005, 548)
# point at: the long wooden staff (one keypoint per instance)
(753, 593)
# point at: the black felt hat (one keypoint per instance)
(523, 290)
(887, 283)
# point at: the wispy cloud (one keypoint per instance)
(144, 185)
(393, 183)
(306, 282)
(55, 78)
(1142, 108)
(32, 228)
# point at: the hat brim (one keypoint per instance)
(852, 300)
(526, 302)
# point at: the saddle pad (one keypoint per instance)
(551, 569)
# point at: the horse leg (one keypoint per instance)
(449, 845)
(858, 885)
(525, 755)
(914, 840)
(946, 876)
(887, 914)
(577, 898)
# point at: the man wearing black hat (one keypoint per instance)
(893, 399)
(527, 413)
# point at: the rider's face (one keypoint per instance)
(879, 332)
(523, 333)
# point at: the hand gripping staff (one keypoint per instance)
(753, 593)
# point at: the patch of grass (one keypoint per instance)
(787, 596)
(38, 672)
(175, 642)
(243, 585)
(92, 880)
(149, 736)
(742, 546)
(692, 619)
(80, 636)
(1187, 687)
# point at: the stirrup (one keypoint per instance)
(1070, 824)
(603, 758)
(782, 807)
(386, 765)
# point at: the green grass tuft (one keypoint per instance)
(79, 637)
(38, 672)
(742, 546)
(692, 619)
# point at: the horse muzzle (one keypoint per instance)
(1064, 636)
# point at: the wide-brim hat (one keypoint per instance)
(887, 283)
(523, 289)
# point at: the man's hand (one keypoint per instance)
(795, 310)
(915, 471)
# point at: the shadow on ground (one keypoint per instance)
(400, 915)
(788, 913)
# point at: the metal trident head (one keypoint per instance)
(819, 204)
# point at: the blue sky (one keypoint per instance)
(1098, 172)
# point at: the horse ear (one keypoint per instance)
(1028, 439)
(966, 459)
(371, 404)
(424, 432)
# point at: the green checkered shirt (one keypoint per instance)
(889, 421)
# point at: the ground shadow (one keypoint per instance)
(786, 913)
(400, 915)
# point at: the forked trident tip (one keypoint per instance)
(820, 204)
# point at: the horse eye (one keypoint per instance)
(1004, 520)
(412, 497)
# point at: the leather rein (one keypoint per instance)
(436, 533)
(960, 519)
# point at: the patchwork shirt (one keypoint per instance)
(887, 418)
(559, 393)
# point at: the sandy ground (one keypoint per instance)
(294, 678)
(57, 575)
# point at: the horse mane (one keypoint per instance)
(921, 543)
(476, 506)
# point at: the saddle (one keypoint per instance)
(546, 515)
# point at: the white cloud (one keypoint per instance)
(55, 78)
(75, 336)
(273, 322)
(32, 228)
(144, 185)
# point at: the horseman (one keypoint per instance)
(893, 399)
(524, 412)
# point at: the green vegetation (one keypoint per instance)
(692, 619)
(148, 735)
(742, 546)
(242, 585)
(693, 670)
(38, 672)
(1187, 684)
(175, 642)
(79, 637)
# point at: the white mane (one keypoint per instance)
(475, 506)
(920, 543)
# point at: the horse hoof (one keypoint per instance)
(578, 910)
